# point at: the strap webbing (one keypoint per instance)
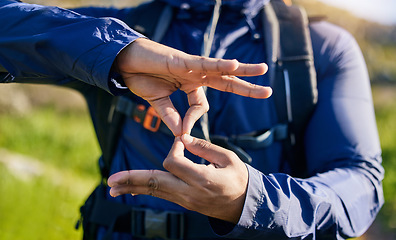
(148, 223)
(292, 74)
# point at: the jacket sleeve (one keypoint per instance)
(42, 44)
(344, 193)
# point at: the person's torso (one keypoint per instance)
(229, 114)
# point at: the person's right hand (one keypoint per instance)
(154, 71)
(217, 190)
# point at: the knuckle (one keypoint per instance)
(129, 176)
(229, 156)
(168, 163)
(229, 87)
(189, 203)
(252, 89)
(207, 185)
(153, 182)
(203, 144)
(218, 65)
(202, 60)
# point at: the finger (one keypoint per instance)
(200, 64)
(209, 66)
(245, 69)
(147, 182)
(198, 106)
(180, 166)
(169, 115)
(210, 152)
(238, 86)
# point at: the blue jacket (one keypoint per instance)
(343, 194)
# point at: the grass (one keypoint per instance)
(39, 198)
(40, 208)
(40, 195)
(385, 106)
(64, 139)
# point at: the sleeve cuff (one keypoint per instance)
(102, 74)
(253, 201)
(116, 84)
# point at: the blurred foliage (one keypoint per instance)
(378, 42)
(47, 136)
(385, 110)
(44, 204)
(42, 186)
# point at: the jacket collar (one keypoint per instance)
(250, 8)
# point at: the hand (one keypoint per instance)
(217, 190)
(154, 71)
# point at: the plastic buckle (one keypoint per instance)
(166, 225)
(155, 224)
(152, 120)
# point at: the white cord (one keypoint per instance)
(210, 30)
(288, 103)
(205, 51)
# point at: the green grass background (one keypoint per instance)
(48, 153)
(61, 144)
(44, 204)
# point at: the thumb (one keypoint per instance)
(180, 166)
(208, 151)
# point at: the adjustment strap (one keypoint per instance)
(145, 115)
(277, 133)
(251, 141)
(147, 223)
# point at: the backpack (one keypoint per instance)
(292, 76)
(291, 70)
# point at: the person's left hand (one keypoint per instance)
(217, 190)
(154, 71)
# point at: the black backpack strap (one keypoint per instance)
(292, 74)
(140, 222)
(152, 19)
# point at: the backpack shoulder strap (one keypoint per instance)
(292, 74)
(151, 19)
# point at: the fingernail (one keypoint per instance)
(113, 193)
(187, 138)
(188, 132)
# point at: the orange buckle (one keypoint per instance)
(140, 108)
(152, 120)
